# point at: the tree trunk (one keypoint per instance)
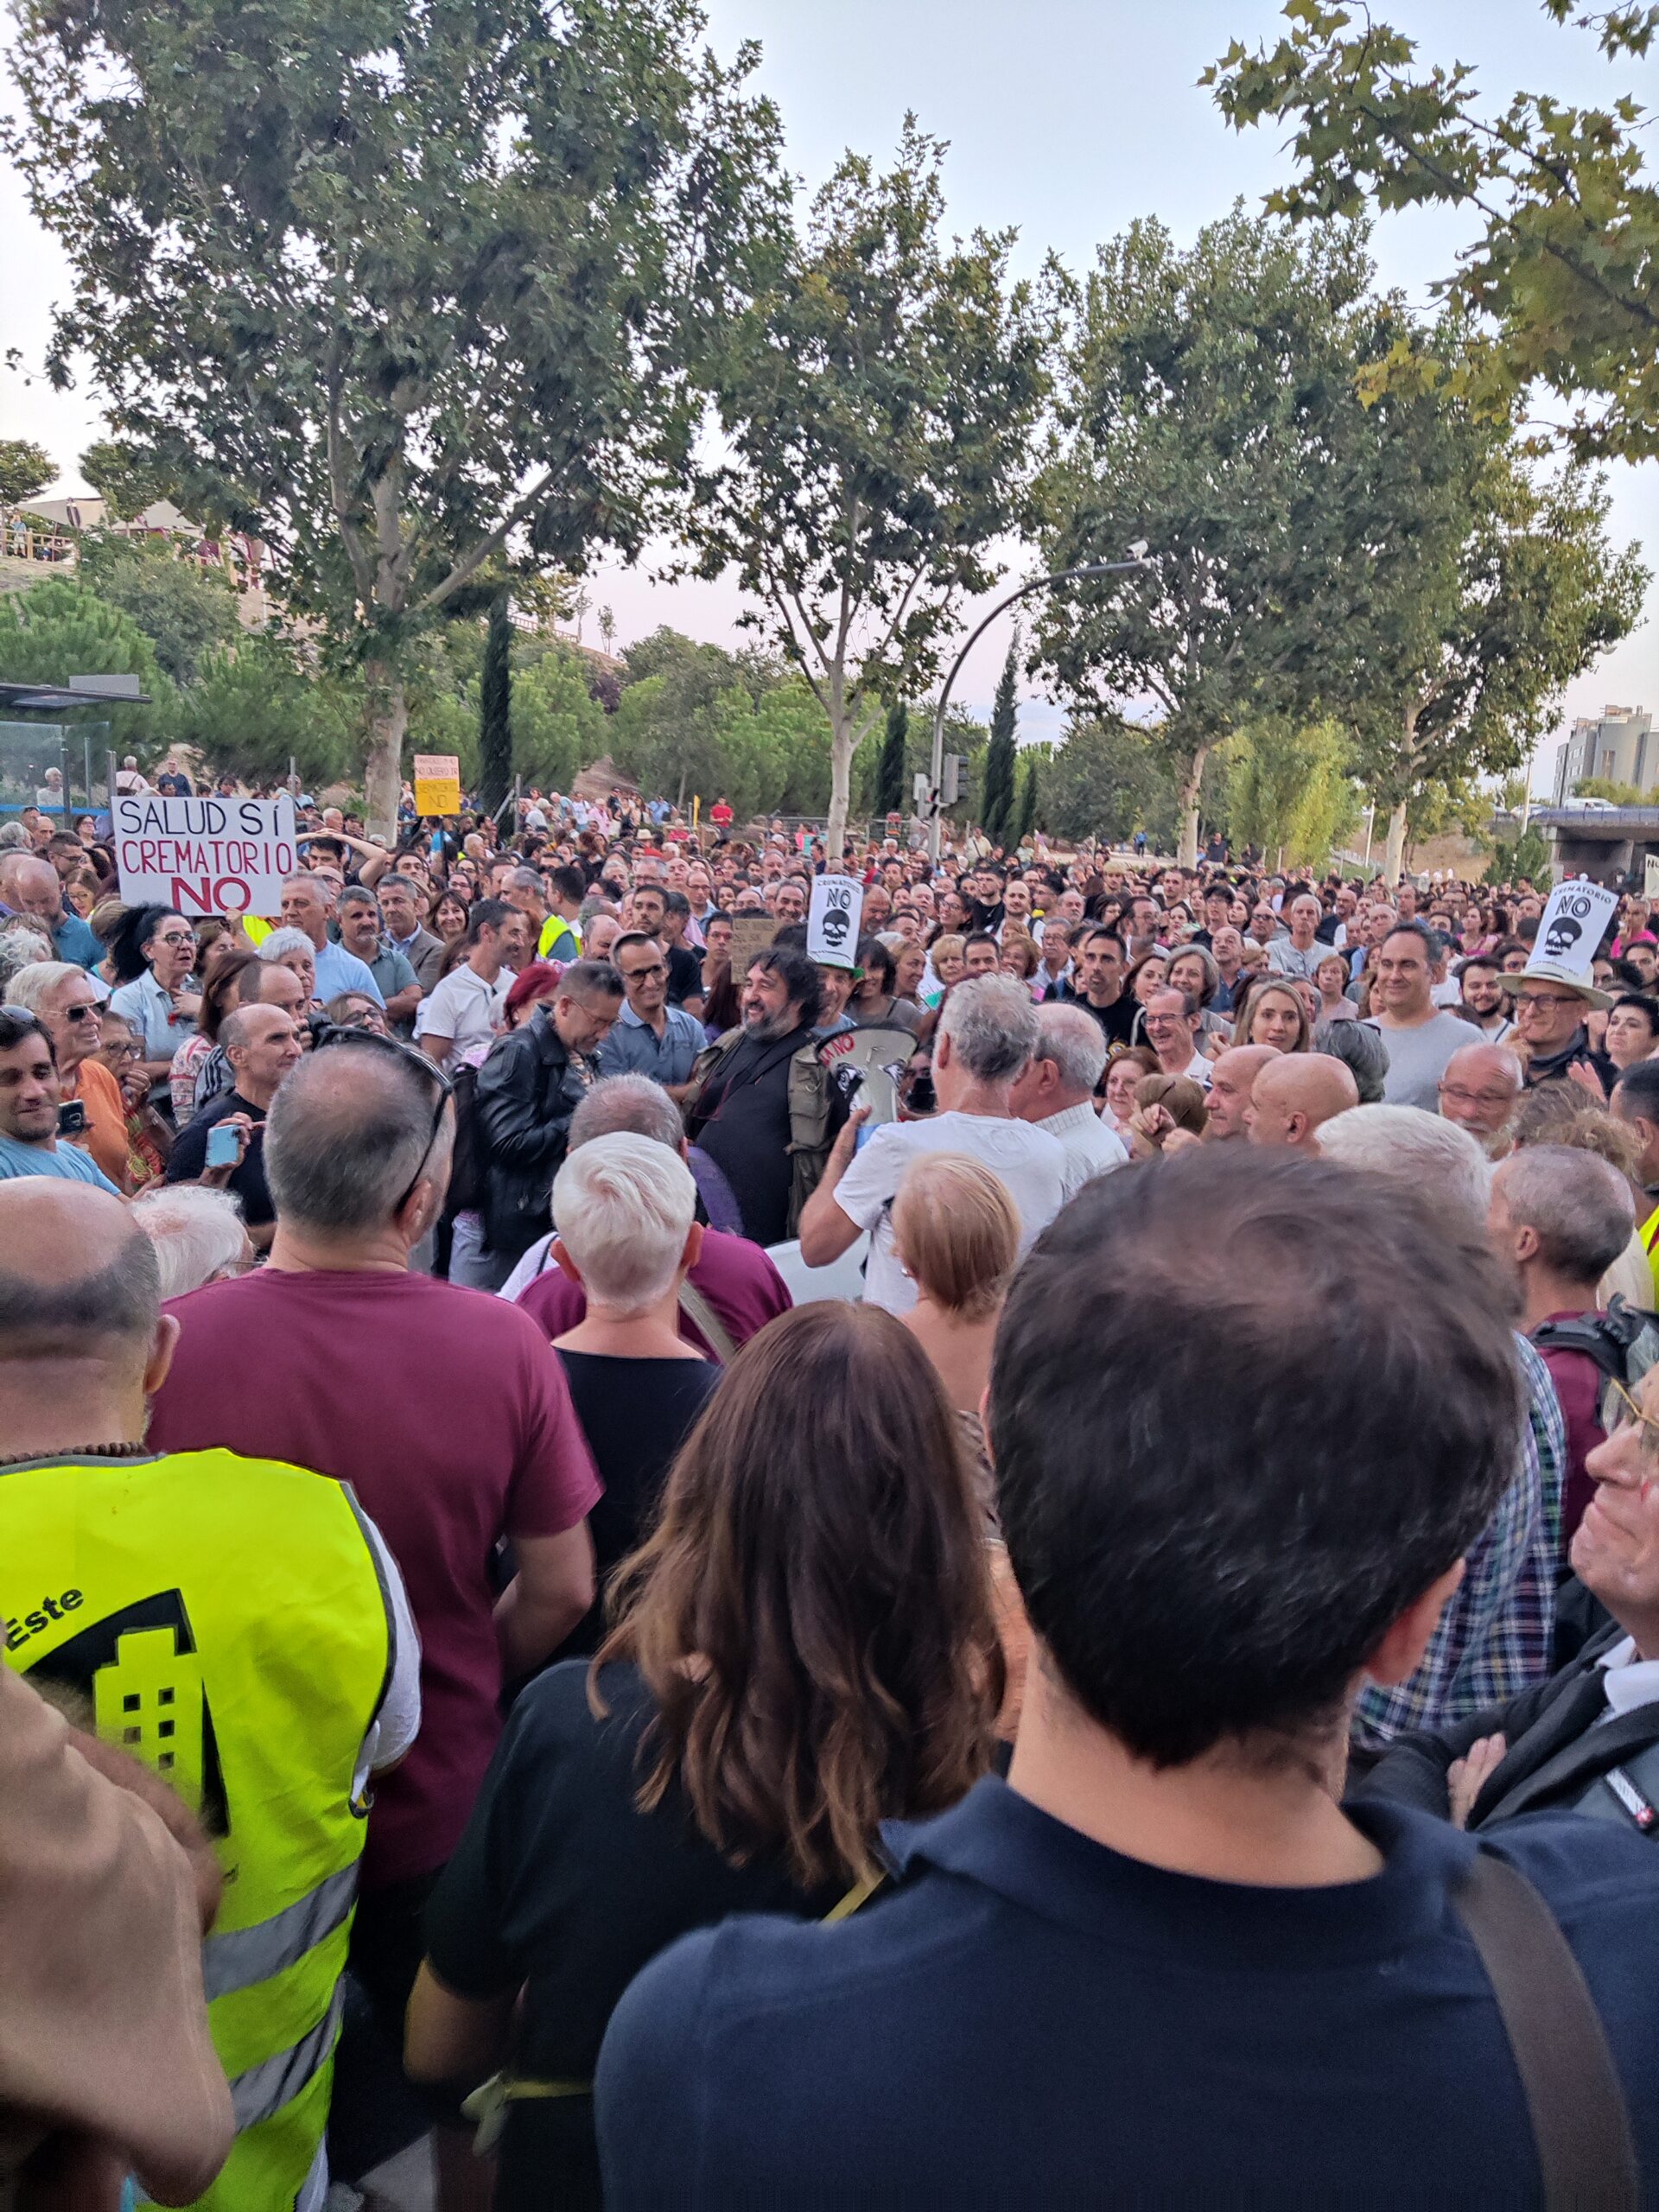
(1191, 782)
(1393, 858)
(841, 786)
(388, 719)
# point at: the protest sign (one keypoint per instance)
(438, 783)
(1651, 876)
(1572, 927)
(832, 920)
(751, 933)
(203, 855)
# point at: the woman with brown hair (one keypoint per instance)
(802, 1647)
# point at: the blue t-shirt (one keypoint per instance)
(1030, 2018)
(74, 941)
(338, 971)
(67, 1161)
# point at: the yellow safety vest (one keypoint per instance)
(256, 929)
(553, 928)
(1650, 1245)
(224, 1620)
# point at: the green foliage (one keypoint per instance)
(495, 707)
(891, 791)
(997, 798)
(185, 611)
(1615, 794)
(557, 726)
(402, 291)
(252, 709)
(1565, 216)
(1109, 780)
(1204, 396)
(126, 478)
(58, 630)
(875, 402)
(1526, 855)
(1026, 817)
(25, 468)
(1289, 792)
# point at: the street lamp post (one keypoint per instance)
(935, 774)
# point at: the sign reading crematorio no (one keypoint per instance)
(203, 855)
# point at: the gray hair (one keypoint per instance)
(992, 1026)
(346, 1134)
(1362, 1051)
(198, 1233)
(1211, 973)
(1578, 1205)
(358, 894)
(280, 942)
(34, 985)
(22, 945)
(1414, 1149)
(623, 1207)
(1075, 1044)
(630, 1103)
(13, 838)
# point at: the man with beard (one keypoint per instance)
(762, 1106)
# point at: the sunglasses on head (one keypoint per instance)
(337, 1033)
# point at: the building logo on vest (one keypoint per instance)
(141, 1671)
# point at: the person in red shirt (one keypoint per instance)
(735, 1289)
(443, 1407)
(720, 814)
(1561, 1217)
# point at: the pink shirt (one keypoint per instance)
(444, 1410)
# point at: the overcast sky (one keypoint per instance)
(1065, 118)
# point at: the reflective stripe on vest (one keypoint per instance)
(247, 1955)
(225, 1621)
(262, 2092)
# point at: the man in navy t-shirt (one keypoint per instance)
(1162, 1963)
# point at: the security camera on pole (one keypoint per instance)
(938, 797)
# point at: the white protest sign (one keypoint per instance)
(832, 920)
(204, 856)
(1573, 925)
(1651, 876)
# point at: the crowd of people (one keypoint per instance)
(1012, 1558)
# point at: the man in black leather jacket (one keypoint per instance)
(528, 1089)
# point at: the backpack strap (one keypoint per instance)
(1580, 2121)
(708, 1324)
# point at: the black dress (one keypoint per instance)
(635, 1414)
(561, 1885)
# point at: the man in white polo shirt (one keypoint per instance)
(987, 1036)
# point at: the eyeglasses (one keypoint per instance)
(174, 937)
(335, 1034)
(85, 1012)
(1634, 1418)
(1492, 1100)
(1543, 998)
(642, 975)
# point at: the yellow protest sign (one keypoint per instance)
(438, 783)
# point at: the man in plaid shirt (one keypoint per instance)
(1495, 1635)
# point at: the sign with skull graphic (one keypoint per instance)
(1573, 925)
(832, 921)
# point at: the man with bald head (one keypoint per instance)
(1294, 1096)
(310, 1359)
(235, 1623)
(1231, 1081)
(1479, 1085)
(34, 889)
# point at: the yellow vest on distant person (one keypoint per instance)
(223, 1619)
(1650, 1245)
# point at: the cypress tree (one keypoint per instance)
(996, 802)
(890, 766)
(495, 709)
(1026, 821)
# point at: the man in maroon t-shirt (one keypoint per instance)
(733, 1281)
(1563, 1218)
(441, 1406)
